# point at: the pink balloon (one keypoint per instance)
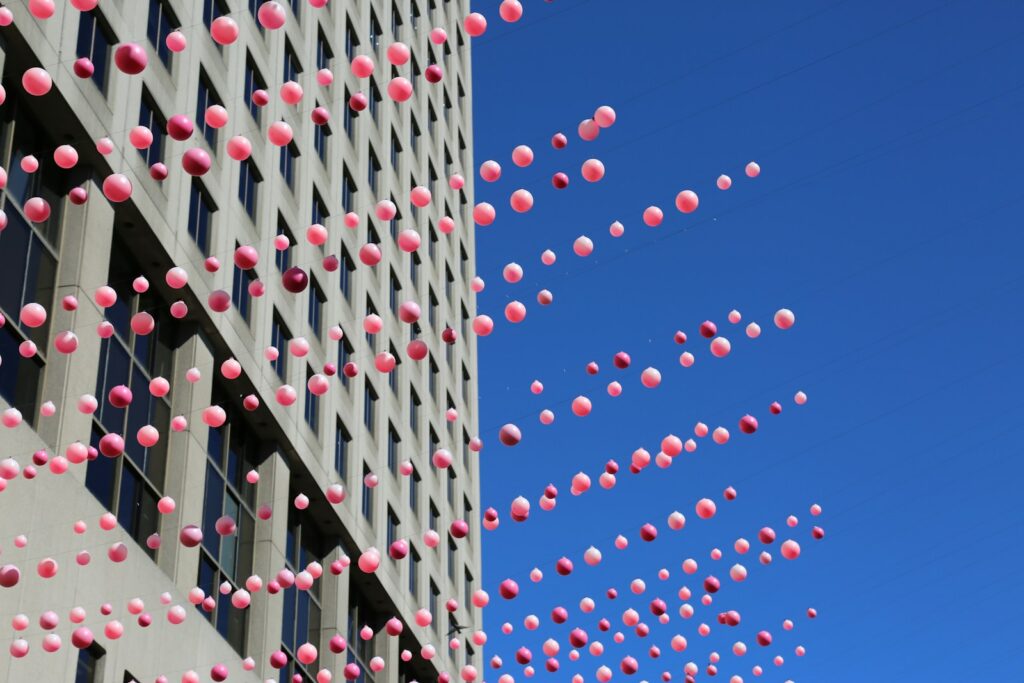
(511, 10)
(291, 93)
(753, 169)
(131, 58)
(515, 312)
(724, 182)
(239, 148)
(581, 406)
(400, 89)
(490, 171)
(784, 319)
(604, 116)
(272, 16)
(521, 201)
(36, 81)
(583, 246)
(117, 188)
(593, 170)
(224, 30)
(483, 214)
(362, 66)
(438, 36)
(475, 24)
(588, 130)
(280, 133)
(176, 41)
(398, 53)
(65, 156)
(720, 347)
(653, 216)
(522, 156)
(687, 201)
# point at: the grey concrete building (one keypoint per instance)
(367, 424)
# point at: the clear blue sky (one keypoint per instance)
(887, 216)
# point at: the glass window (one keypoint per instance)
(367, 496)
(341, 445)
(161, 22)
(151, 118)
(130, 485)
(240, 296)
(414, 573)
(393, 526)
(94, 41)
(231, 451)
(279, 337)
(345, 274)
(312, 406)
(351, 43)
(374, 100)
(292, 67)
(369, 407)
(345, 352)
(375, 31)
(213, 9)
(348, 192)
(320, 213)
(200, 216)
(316, 307)
(321, 138)
(283, 257)
(253, 81)
(393, 445)
(350, 116)
(302, 609)
(414, 411)
(248, 186)
(206, 98)
(414, 491)
(88, 669)
(324, 54)
(451, 558)
(289, 153)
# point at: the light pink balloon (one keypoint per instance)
(583, 246)
(36, 81)
(521, 201)
(475, 24)
(522, 156)
(362, 66)
(724, 182)
(753, 169)
(592, 170)
(653, 216)
(687, 201)
(224, 30)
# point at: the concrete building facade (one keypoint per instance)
(367, 424)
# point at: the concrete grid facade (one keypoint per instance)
(369, 423)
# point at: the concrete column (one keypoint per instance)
(266, 612)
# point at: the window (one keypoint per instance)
(89, 668)
(130, 485)
(432, 380)
(414, 573)
(369, 407)
(324, 54)
(414, 270)
(320, 212)
(301, 620)
(465, 320)
(289, 153)
(311, 410)
(161, 22)
(451, 487)
(345, 274)
(449, 279)
(435, 516)
(417, 75)
(283, 257)
(207, 98)
(396, 21)
(253, 82)
(414, 491)
(394, 288)
(351, 43)
(435, 593)
(414, 411)
(465, 384)
(393, 525)
(414, 132)
(240, 296)
(374, 99)
(367, 496)
(467, 507)
(375, 31)
(231, 451)
(279, 337)
(321, 133)
(360, 614)
(248, 186)
(213, 9)
(350, 116)
(396, 150)
(341, 444)
(393, 445)
(373, 171)
(292, 67)
(345, 352)
(467, 590)
(393, 375)
(316, 307)
(431, 120)
(94, 41)
(432, 309)
(451, 558)
(432, 242)
(348, 192)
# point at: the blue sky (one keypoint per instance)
(887, 217)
